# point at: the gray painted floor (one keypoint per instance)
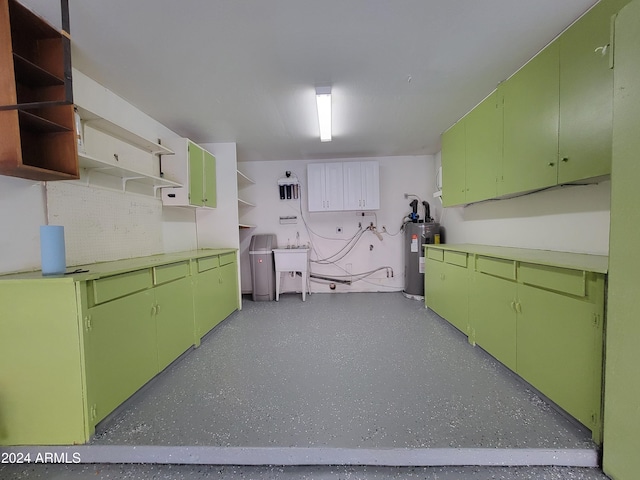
(343, 371)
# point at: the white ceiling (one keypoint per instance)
(402, 71)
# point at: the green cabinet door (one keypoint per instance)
(205, 286)
(586, 95)
(174, 320)
(455, 289)
(120, 351)
(483, 149)
(228, 290)
(196, 175)
(556, 330)
(209, 179)
(622, 386)
(453, 165)
(531, 110)
(492, 316)
(42, 398)
(434, 295)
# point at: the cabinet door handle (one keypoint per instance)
(153, 310)
(602, 50)
(551, 164)
(157, 309)
(518, 307)
(565, 159)
(513, 306)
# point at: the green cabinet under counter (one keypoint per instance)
(539, 313)
(94, 338)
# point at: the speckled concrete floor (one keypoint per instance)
(352, 371)
(200, 472)
(369, 370)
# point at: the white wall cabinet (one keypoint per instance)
(325, 187)
(343, 186)
(361, 185)
(195, 168)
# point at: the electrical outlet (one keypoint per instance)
(338, 229)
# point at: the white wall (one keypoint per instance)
(398, 175)
(571, 219)
(101, 221)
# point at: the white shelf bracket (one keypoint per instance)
(126, 179)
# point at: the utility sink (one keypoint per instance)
(293, 259)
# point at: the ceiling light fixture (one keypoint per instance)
(323, 100)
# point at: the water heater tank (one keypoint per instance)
(416, 235)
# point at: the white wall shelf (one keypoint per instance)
(104, 125)
(243, 179)
(244, 203)
(245, 225)
(92, 164)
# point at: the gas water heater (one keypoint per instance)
(416, 233)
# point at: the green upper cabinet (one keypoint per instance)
(586, 95)
(453, 165)
(531, 99)
(483, 149)
(193, 167)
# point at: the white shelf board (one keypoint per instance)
(437, 194)
(246, 225)
(242, 178)
(104, 125)
(244, 203)
(126, 174)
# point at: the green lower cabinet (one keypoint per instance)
(559, 350)
(228, 301)
(434, 295)
(174, 320)
(206, 284)
(41, 394)
(445, 291)
(492, 316)
(120, 351)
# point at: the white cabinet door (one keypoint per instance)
(361, 185)
(334, 187)
(370, 178)
(325, 187)
(315, 187)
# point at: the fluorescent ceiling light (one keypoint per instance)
(323, 100)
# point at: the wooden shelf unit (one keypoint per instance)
(36, 102)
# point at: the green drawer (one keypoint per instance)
(558, 279)
(167, 273)
(227, 258)
(435, 254)
(498, 267)
(116, 286)
(456, 258)
(207, 263)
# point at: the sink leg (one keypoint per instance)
(278, 286)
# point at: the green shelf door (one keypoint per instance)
(531, 110)
(453, 165)
(120, 351)
(174, 320)
(483, 149)
(196, 175)
(586, 95)
(209, 180)
(492, 316)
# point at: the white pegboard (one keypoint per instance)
(103, 225)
